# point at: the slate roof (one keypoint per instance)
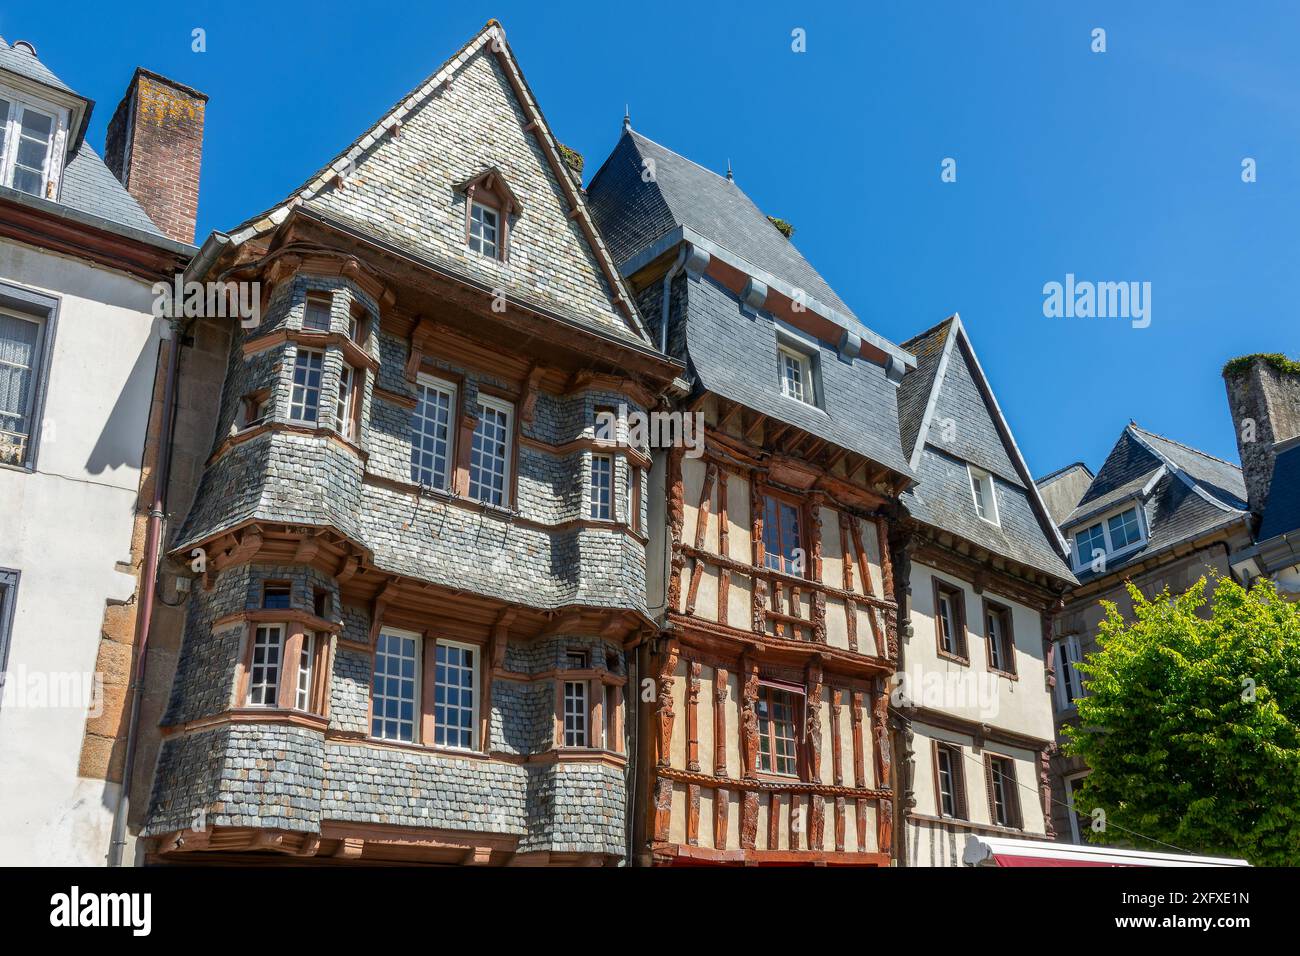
(966, 426)
(87, 185)
(633, 213)
(733, 354)
(1282, 512)
(1191, 493)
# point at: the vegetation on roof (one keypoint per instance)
(1274, 360)
(783, 227)
(572, 158)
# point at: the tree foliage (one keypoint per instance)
(1191, 724)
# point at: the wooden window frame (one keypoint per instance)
(452, 391)
(300, 353)
(261, 400)
(318, 298)
(594, 505)
(1010, 790)
(583, 713)
(800, 529)
(980, 479)
(1008, 638)
(276, 584)
(1068, 788)
(962, 655)
(799, 706)
(633, 495)
(957, 773)
(417, 705)
(492, 402)
(429, 704)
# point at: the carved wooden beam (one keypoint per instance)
(701, 530)
(724, 548)
(676, 517)
(693, 716)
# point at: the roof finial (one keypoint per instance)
(730, 177)
(627, 117)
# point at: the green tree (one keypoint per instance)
(1191, 724)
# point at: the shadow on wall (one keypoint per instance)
(122, 440)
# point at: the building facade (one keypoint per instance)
(1160, 515)
(770, 575)
(981, 569)
(79, 347)
(413, 560)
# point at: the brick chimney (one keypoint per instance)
(154, 146)
(1263, 390)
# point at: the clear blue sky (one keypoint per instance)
(1115, 167)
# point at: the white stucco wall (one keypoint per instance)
(65, 527)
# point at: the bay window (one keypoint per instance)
(425, 691)
(601, 492)
(304, 398)
(264, 675)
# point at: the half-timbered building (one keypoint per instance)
(766, 740)
(412, 563)
(981, 570)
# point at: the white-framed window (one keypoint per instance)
(1069, 680)
(302, 697)
(431, 432)
(796, 375)
(1111, 535)
(600, 495)
(28, 132)
(981, 488)
(455, 695)
(1076, 824)
(575, 713)
(484, 229)
(395, 690)
(21, 351)
(345, 403)
(316, 312)
(489, 460)
(264, 674)
(304, 399)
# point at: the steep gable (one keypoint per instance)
(399, 183)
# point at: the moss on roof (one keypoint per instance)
(1275, 360)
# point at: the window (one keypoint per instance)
(26, 141)
(316, 313)
(489, 463)
(345, 405)
(454, 695)
(276, 596)
(1117, 533)
(950, 620)
(633, 496)
(1069, 680)
(981, 486)
(778, 714)
(21, 353)
(358, 325)
(264, 675)
(304, 399)
(1124, 529)
(1004, 795)
(999, 639)
(302, 699)
(796, 375)
(602, 487)
(321, 602)
(781, 550)
(257, 406)
(950, 781)
(431, 433)
(483, 230)
(609, 738)
(393, 692)
(8, 597)
(575, 713)
(1078, 820)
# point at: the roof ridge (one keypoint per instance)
(1062, 470)
(930, 330)
(1174, 441)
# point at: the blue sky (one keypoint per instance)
(1115, 166)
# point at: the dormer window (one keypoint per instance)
(489, 204)
(28, 133)
(796, 375)
(986, 503)
(1115, 534)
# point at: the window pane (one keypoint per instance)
(316, 314)
(483, 230)
(264, 675)
(34, 134)
(575, 713)
(304, 399)
(602, 484)
(19, 350)
(393, 699)
(1124, 529)
(1090, 541)
(454, 697)
(4, 124)
(305, 658)
(431, 436)
(487, 464)
(781, 536)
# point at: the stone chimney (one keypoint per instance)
(1264, 396)
(154, 146)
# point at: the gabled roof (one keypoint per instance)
(623, 318)
(1184, 493)
(87, 186)
(949, 385)
(634, 210)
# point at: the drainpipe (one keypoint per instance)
(669, 276)
(148, 587)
